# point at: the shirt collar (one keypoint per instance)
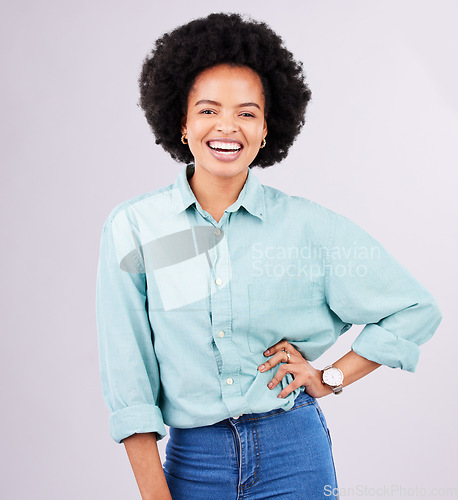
(251, 197)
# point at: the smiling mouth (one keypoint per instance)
(225, 147)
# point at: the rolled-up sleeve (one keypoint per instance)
(366, 285)
(128, 365)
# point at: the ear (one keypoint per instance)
(264, 131)
(183, 125)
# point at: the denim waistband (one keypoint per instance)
(302, 399)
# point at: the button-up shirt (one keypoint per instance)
(186, 306)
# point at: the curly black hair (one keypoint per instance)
(169, 72)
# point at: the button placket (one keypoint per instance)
(221, 312)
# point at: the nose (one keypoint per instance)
(226, 123)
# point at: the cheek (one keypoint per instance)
(196, 130)
(257, 132)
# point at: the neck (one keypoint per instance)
(215, 193)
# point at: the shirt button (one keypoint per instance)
(229, 381)
(219, 281)
(218, 232)
(221, 334)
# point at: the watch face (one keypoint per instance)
(332, 376)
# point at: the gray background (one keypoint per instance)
(379, 146)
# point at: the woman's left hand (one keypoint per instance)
(303, 372)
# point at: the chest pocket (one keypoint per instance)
(280, 309)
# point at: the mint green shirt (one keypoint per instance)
(186, 305)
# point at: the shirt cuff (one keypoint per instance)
(379, 345)
(135, 420)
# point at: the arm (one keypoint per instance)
(146, 465)
(353, 367)
(129, 369)
(364, 285)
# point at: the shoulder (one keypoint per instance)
(319, 222)
(136, 207)
(301, 206)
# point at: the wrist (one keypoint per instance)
(333, 378)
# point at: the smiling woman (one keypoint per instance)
(215, 293)
(225, 127)
(179, 57)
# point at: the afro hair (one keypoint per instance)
(169, 71)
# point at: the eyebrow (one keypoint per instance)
(214, 103)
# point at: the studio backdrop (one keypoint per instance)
(378, 146)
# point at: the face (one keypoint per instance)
(225, 121)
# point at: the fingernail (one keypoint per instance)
(267, 352)
(279, 396)
(262, 368)
(270, 385)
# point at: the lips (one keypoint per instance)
(225, 149)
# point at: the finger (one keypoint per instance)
(295, 384)
(278, 357)
(281, 372)
(279, 346)
(274, 348)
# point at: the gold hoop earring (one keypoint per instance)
(263, 143)
(183, 139)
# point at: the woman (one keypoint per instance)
(215, 293)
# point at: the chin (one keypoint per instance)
(225, 169)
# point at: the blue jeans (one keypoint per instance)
(276, 454)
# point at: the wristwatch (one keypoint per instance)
(333, 377)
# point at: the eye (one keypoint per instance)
(206, 111)
(247, 114)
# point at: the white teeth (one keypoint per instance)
(227, 152)
(227, 146)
